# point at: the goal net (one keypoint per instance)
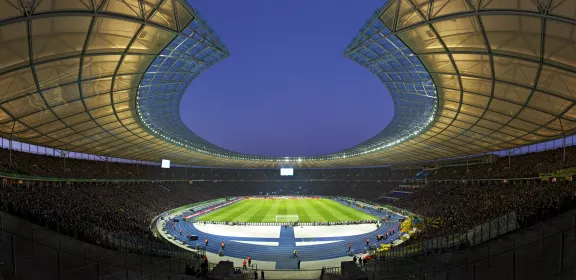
(287, 218)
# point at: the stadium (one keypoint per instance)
(473, 178)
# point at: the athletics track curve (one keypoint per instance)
(280, 249)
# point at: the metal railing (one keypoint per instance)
(32, 252)
(103, 238)
(330, 273)
(477, 235)
(541, 253)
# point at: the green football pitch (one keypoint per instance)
(266, 210)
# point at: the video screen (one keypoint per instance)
(286, 171)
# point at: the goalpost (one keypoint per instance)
(287, 218)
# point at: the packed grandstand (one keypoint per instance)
(430, 197)
(113, 210)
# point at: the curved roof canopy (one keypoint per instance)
(106, 77)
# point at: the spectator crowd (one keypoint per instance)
(458, 207)
(65, 167)
(92, 210)
(519, 166)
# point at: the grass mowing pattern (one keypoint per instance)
(265, 211)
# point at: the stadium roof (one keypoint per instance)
(106, 77)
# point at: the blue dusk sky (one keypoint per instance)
(286, 89)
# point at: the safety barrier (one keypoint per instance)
(103, 238)
(34, 252)
(543, 253)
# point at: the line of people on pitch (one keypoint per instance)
(345, 223)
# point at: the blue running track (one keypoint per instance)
(283, 253)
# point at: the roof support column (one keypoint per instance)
(10, 142)
(509, 151)
(64, 155)
(106, 160)
(563, 144)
